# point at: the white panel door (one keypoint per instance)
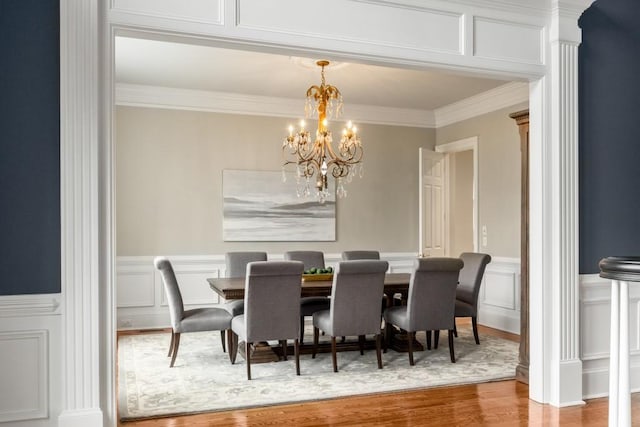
(432, 191)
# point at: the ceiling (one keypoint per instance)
(198, 67)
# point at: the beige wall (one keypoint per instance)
(499, 176)
(461, 202)
(169, 182)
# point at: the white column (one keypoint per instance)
(619, 391)
(79, 173)
(556, 368)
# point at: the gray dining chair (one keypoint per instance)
(430, 303)
(271, 310)
(355, 255)
(309, 305)
(366, 254)
(236, 266)
(469, 288)
(357, 289)
(194, 320)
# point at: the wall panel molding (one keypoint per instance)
(137, 276)
(499, 299)
(595, 320)
(24, 363)
(209, 12)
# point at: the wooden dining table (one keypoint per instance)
(394, 283)
(233, 288)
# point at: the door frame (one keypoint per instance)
(466, 144)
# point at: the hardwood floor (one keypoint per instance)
(504, 403)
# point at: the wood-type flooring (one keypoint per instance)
(503, 403)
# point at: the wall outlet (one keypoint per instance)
(484, 236)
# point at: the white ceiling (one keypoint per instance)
(177, 65)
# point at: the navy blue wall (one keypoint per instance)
(29, 147)
(609, 145)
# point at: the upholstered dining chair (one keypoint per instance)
(309, 305)
(271, 310)
(194, 320)
(431, 301)
(366, 254)
(469, 287)
(355, 297)
(236, 266)
(354, 255)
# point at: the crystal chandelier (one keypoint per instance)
(318, 157)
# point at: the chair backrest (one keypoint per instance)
(353, 255)
(174, 297)
(471, 276)
(272, 300)
(432, 293)
(236, 262)
(310, 259)
(358, 287)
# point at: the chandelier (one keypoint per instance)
(318, 158)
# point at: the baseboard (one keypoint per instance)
(91, 417)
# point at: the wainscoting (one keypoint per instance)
(595, 318)
(141, 301)
(30, 360)
(499, 303)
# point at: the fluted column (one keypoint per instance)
(566, 366)
(79, 178)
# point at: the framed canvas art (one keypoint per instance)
(259, 206)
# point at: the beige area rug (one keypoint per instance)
(204, 380)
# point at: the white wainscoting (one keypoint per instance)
(595, 320)
(30, 360)
(499, 300)
(140, 293)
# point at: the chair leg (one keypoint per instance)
(316, 337)
(232, 339)
(378, 352)
(436, 338)
(474, 323)
(176, 344)
(361, 344)
(247, 351)
(428, 334)
(455, 329)
(283, 345)
(296, 352)
(301, 329)
(171, 344)
(387, 335)
(333, 354)
(410, 336)
(451, 352)
(224, 349)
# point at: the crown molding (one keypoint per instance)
(483, 103)
(235, 103)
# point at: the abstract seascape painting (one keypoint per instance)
(259, 206)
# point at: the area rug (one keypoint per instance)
(203, 379)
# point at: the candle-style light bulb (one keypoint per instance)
(355, 129)
(301, 124)
(325, 122)
(290, 130)
(349, 124)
